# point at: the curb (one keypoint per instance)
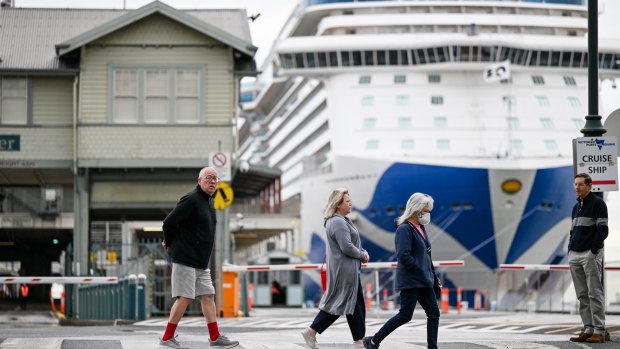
(82, 323)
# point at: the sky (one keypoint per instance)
(274, 13)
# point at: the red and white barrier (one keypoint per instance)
(33, 280)
(551, 267)
(373, 265)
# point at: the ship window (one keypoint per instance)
(369, 123)
(322, 59)
(372, 144)
(422, 59)
(509, 101)
(574, 102)
(357, 58)
(516, 144)
(506, 81)
(442, 54)
(434, 79)
(369, 58)
(407, 144)
(402, 100)
(364, 79)
(368, 101)
(522, 56)
(393, 56)
(443, 144)
(577, 59)
(513, 123)
(504, 53)
(566, 59)
(546, 122)
(414, 57)
(14, 101)
(286, 60)
(544, 58)
(389, 211)
(584, 64)
(310, 60)
(345, 57)
(538, 80)
(570, 81)
(400, 79)
(432, 55)
(440, 122)
(404, 122)
(404, 58)
(465, 55)
(551, 144)
(516, 54)
(475, 54)
(487, 53)
(333, 59)
(299, 60)
(556, 56)
(372, 212)
(578, 123)
(437, 100)
(381, 58)
(401, 209)
(543, 101)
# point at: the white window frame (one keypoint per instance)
(437, 100)
(23, 96)
(173, 96)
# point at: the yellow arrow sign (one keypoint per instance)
(224, 196)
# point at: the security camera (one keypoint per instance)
(244, 166)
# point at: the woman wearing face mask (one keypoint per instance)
(415, 275)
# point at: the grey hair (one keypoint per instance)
(416, 203)
(335, 199)
(204, 169)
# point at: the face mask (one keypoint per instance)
(424, 219)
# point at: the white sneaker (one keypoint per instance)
(309, 339)
(171, 343)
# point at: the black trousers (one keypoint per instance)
(357, 321)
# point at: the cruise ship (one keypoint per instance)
(472, 102)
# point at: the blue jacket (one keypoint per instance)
(414, 268)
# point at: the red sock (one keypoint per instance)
(214, 333)
(169, 331)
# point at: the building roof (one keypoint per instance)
(30, 38)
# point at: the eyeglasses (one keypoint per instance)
(211, 178)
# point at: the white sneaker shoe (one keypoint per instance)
(309, 339)
(171, 343)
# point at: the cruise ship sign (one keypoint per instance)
(597, 156)
(497, 72)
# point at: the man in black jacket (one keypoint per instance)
(585, 257)
(189, 236)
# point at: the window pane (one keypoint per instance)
(443, 144)
(125, 110)
(569, 81)
(434, 79)
(156, 110)
(372, 144)
(156, 83)
(187, 83)
(402, 100)
(125, 102)
(14, 101)
(187, 110)
(369, 123)
(368, 101)
(369, 58)
(436, 100)
(400, 79)
(364, 80)
(407, 144)
(404, 122)
(440, 122)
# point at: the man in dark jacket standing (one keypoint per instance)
(189, 236)
(585, 257)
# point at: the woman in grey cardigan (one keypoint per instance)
(345, 256)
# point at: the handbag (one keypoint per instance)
(323, 277)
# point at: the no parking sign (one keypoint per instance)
(220, 161)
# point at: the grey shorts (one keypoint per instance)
(190, 282)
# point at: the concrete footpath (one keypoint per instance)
(280, 329)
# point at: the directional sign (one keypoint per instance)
(220, 161)
(224, 196)
(597, 156)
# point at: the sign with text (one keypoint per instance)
(220, 161)
(9, 143)
(597, 156)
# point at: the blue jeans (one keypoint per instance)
(408, 299)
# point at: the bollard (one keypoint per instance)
(486, 299)
(62, 303)
(250, 293)
(52, 303)
(131, 297)
(368, 296)
(385, 299)
(459, 292)
(477, 300)
(445, 300)
(141, 303)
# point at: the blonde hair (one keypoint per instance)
(335, 199)
(416, 203)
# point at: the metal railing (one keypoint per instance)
(123, 300)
